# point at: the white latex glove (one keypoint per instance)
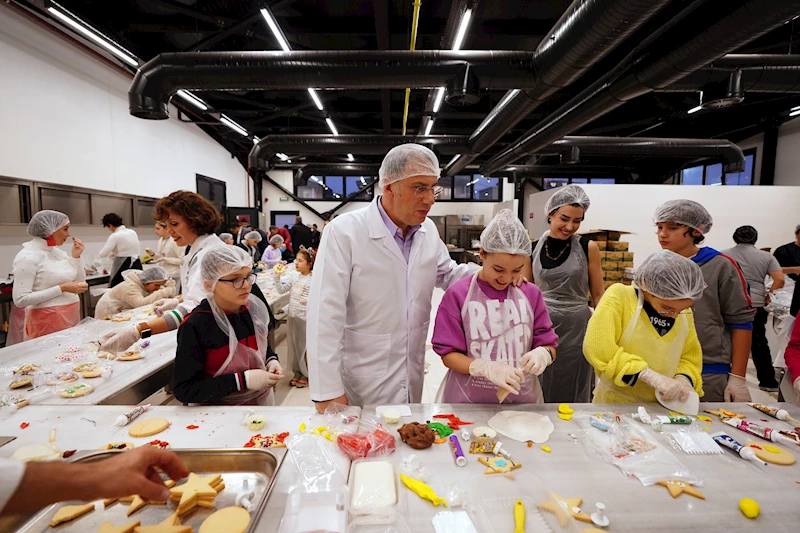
(535, 361)
(736, 390)
(166, 304)
(670, 388)
(274, 367)
(170, 283)
(166, 292)
(504, 376)
(119, 340)
(260, 379)
(796, 386)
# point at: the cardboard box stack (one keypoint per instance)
(615, 258)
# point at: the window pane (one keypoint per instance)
(552, 183)
(580, 180)
(603, 181)
(102, 204)
(462, 187)
(446, 182)
(692, 176)
(354, 183)
(742, 178)
(486, 189)
(334, 188)
(73, 204)
(714, 174)
(312, 191)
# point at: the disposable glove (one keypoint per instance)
(736, 390)
(504, 376)
(535, 361)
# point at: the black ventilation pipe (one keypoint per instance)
(263, 152)
(161, 77)
(661, 62)
(761, 73)
(343, 169)
(586, 33)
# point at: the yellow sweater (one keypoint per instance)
(611, 362)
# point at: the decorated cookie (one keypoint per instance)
(83, 367)
(130, 356)
(771, 453)
(89, 374)
(267, 441)
(498, 465)
(77, 390)
(26, 370)
(21, 382)
(118, 446)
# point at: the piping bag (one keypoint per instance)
(519, 517)
(422, 490)
(744, 452)
(758, 430)
(774, 412)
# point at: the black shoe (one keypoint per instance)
(770, 388)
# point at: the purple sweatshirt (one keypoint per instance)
(448, 331)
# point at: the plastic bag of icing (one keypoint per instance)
(372, 440)
(316, 466)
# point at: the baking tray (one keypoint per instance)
(259, 466)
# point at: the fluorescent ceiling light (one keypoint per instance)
(429, 127)
(317, 101)
(276, 31)
(95, 36)
(363, 180)
(192, 99)
(233, 125)
(437, 102)
(283, 157)
(331, 126)
(455, 158)
(695, 109)
(462, 30)
(794, 113)
(350, 157)
(256, 139)
(288, 160)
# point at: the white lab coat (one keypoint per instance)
(368, 311)
(173, 256)
(39, 269)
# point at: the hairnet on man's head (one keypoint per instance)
(745, 235)
(505, 234)
(46, 222)
(253, 236)
(797, 229)
(568, 195)
(221, 261)
(670, 276)
(406, 161)
(225, 237)
(152, 274)
(686, 212)
(276, 239)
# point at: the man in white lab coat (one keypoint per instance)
(370, 300)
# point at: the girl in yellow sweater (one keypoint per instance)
(642, 339)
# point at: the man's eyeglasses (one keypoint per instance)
(423, 191)
(238, 283)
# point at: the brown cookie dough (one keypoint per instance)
(418, 436)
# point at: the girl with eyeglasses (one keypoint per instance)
(223, 357)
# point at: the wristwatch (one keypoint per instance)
(146, 332)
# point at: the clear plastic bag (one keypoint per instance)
(635, 451)
(308, 512)
(315, 464)
(781, 300)
(366, 525)
(342, 418)
(372, 440)
(375, 491)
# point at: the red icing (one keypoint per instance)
(192, 427)
(358, 445)
(24, 425)
(453, 421)
(757, 447)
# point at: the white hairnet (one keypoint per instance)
(225, 236)
(406, 161)
(221, 261)
(46, 222)
(505, 234)
(253, 236)
(275, 239)
(670, 276)
(568, 195)
(797, 229)
(686, 212)
(152, 274)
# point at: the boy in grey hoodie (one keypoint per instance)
(724, 315)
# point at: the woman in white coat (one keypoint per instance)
(122, 246)
(168, 254)
(47, 281)
(370, 300)
(141, 287)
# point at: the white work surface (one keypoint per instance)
(630, 506)
(219, 427)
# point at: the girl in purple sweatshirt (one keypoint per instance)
(495, 338)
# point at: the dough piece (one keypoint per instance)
(676, 488)
(170, 525)
(37, 452)
(228, 520)
(145, 428)
(418, 436)
(130, 356)
(498, 465)
(196, 488)
(21, 382)
(89, 374)
(81, 389)
(70, 512)
(563, 508)
(523, 426)
(120, 319)
(373, 486)
(108, 527)
(772, 454)
(118, 446)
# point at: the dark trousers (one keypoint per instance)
(127, 265)
(762, 358)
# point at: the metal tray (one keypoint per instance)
(259, 466)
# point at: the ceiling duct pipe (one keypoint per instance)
(348, 170)
(728, 152)
(661, 61)
(262, 153)
(760, 73)
(161, 77)
(586, 33)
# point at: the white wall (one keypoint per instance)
(787, 160)
(65, 120)
(631, 208)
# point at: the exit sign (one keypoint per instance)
(284, 198)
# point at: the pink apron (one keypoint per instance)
(498, 331)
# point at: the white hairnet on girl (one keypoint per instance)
(152, 274)
(670, 276)
(225, 236)
(505, 234)
(46, 222)
(406, 161)
(253, 236)
(568, 195)
(276, 239)
(686, 212)
(221, 261)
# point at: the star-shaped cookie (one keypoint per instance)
(108, 527)
(676, 488)
(137, 502)
(498, 465)
(170, 525)
(70, 512)
(561, 506)
(197, 491)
